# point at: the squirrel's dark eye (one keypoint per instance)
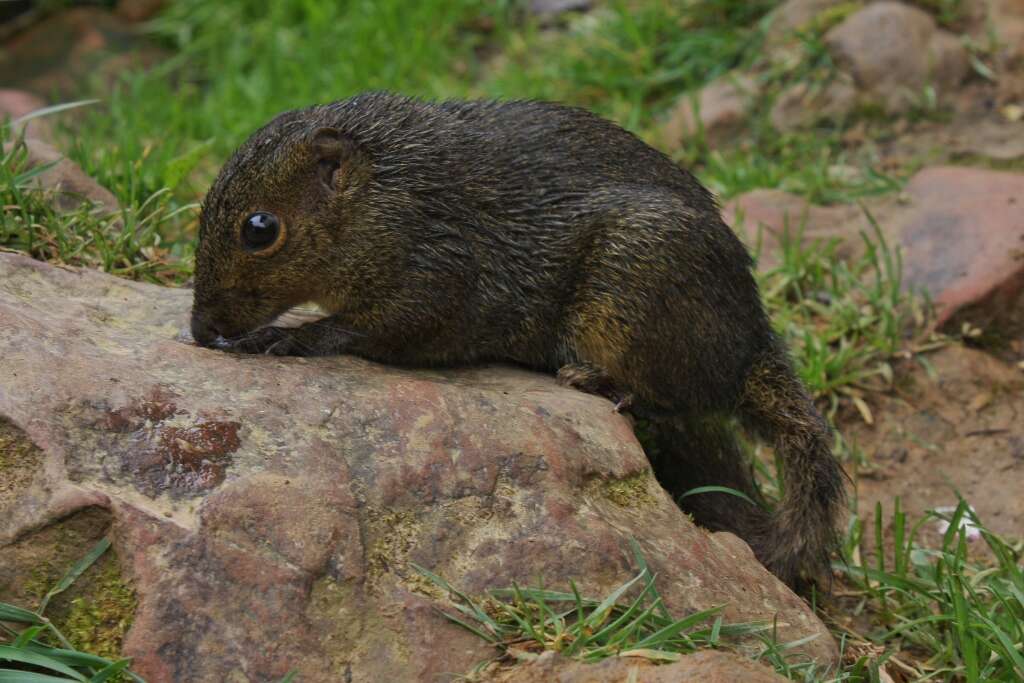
(260, 230)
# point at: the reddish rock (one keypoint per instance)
(700, 667)
(330, 477)
(763, 217)
(894, 50)
(960, 231)
(962, 234)
(17, 103)
(69, 183)
(717, 112)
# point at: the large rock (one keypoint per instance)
(959, 230)
(962, 234)
(268, 510)
(894, 50)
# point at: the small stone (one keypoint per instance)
(17, 103)
(718, 111)
(894, 51)
(67, 180)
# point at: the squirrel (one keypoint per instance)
(459, 232)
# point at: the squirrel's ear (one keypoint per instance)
(338, 157)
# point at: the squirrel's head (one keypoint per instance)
(271, 216)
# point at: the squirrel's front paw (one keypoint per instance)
(275, 341)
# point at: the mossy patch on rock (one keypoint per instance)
(632, 491)
(96, 611)
(20, 459)
(98, 617)
(390, 536)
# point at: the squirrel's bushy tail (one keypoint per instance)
(794, 540)
(800, 534)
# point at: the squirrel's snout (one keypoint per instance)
(203, 331)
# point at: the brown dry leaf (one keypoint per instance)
(979, 402)
(864, 410)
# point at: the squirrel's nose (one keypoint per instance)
(203, 331)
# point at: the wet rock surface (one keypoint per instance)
(252, 497)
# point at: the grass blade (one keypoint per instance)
(77, 570)
(24, 656)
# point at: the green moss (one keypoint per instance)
(97, 619)
(632, 491)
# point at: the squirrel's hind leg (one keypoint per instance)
(593, 380)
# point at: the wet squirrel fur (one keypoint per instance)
(452, 233)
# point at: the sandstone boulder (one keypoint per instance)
(267, 510)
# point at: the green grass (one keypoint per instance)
(128, 242)
(951, 613)
(934, 614)
(234, 65)
(631, 621)
(845, 319)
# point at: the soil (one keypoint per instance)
(954, 424)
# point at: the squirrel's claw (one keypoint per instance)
(274, 341)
